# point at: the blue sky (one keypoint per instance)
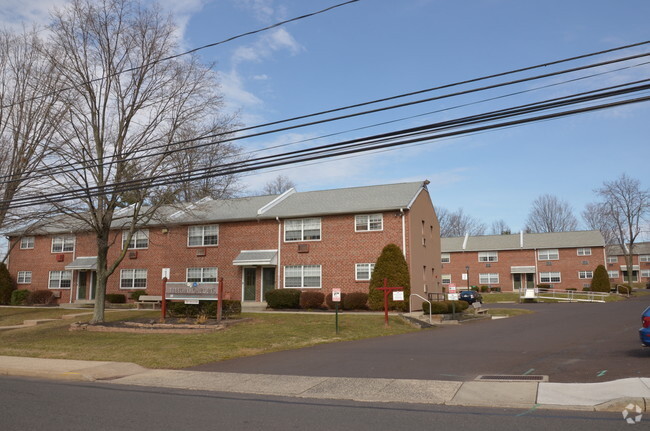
(378, 48)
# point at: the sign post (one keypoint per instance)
(219, 299)
(398, 297)
(336, 298)
(453, 296)
(163, 305)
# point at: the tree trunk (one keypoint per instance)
(102, 277)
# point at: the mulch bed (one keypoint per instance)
(152, 326)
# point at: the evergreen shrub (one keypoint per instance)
(283, 298)
(19, 297)
(311, 300)
(355, 301)
(7, 285)
(600, 280)
(392, 266)
(40, 297)
(115, 298)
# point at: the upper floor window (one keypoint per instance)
(488, 256)
(203, 235)
(302, 276)
(585, 274)
(612, 274)
(60, 280)
(140, 239)
(305, 229)
(26, 242)
(612, 259)
(550, 277)
(645, 273)
(62, 244)
(584, 251)
(24, 277)
(644, 258)
(201, 275)
(445, 257)
(133, 279)
(548, 254)
(369, 222)
(363, 271)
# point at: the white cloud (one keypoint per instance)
(266, 46)
(18, 13)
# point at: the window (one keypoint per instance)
(612, 259)
(302, 276)
(370, 222)
(585, 274)
(548, 254)
(488, 278)
(26, 242)
(550, 277)
(363, 271)
(201, 236)
(488, 256)
(644, 258)
(445, 257)
(612, 274)
(645, 273)
(446, 278)
(62, 244)
(201, 275)
(306, 229)
(60, 280)
(24, 277)
(133, 279)
(140, 239)
(584, 252)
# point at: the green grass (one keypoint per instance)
(491, 298)
(263, 333)
(10, 316)
(510, 312)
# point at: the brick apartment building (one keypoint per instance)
(563, 260)
(309, 240)
(617, 268)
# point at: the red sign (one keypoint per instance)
(452, 288)
(336, 295)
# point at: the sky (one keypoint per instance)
(373, 49)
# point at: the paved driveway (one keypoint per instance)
(568, 342)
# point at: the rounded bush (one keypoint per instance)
(440, 307)
(116, 298)
(459, 306)
(355, 301)
(330, 303)
(311, 300)
(19, 297)
(624, 289)
(206, 308)
(40, 297)
(283, 298)
(136, 294)
(485, 289)
(600, 280)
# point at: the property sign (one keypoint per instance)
(453, 295)
(181, 291)
(398, 295)
(336, 295)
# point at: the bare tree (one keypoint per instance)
(624, 207)
(458, 223)
(278, 185)
(595, 218)
(130, 100)
(550, 214)
(500, 227)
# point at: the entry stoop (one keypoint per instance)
(253, 306)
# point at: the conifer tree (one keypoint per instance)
(600, 280)
(392, 266)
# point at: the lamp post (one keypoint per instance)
(467, 271)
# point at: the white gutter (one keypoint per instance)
(521, 239)
(401, 210)
(465, 241)
(277, 272)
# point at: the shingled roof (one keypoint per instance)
(525, 241)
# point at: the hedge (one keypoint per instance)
(40, 297)
(19, 297)
(283, 298)
(116, 298)
(355, 301)
(330, 303)
(311, 300)
(205, 308)
(136, 294)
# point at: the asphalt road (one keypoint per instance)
(571, 343)
(35, 405)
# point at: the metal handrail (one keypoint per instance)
(411, 305)
(565, 295)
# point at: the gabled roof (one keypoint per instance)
(639, 248)
(526, 241)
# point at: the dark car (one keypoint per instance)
(644, 333)
(470, 296)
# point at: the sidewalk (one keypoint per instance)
(606, 396)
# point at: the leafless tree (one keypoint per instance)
(458, 223)
(550, 214)
(595, 218)
(130, 100)
(500, 227)
(625, 207)
(278, 185)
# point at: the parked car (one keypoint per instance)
(470, 296)
(644, 333)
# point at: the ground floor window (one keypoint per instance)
(550, 277)
(201, 275)
(24, 277)
(133, 279)
(585, 274)
(302, 276)
(488, 278)
(363, 271)
(445, 278)
(612, 274)
(60, 280)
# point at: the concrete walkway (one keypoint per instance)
(606, 396)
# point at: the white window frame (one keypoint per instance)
(60, 278)
(298, 225)
(645, 273)
(27, 243)
(644, 258)
(63, 244)
(488, 256)
(548, 253)
(584, 251)
(197, 232)
(131, 275)
(138, 235)
(488, 278)
(368, 222)
(363, 268)
(613, 274)
(24, 277)
(612, 259)
(204, 275)
(444, 277)
(550, 277)
(445, 257)
(585, 275)
(299, 271)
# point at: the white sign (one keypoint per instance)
(452, 296)
(398, 295)
(464, 276)
(165, 273)
(336, 295)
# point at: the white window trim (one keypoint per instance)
(488, 256)
(586, 251)
(644, 258)
(442, 257)
(30, 244)
(133, 278)
(585, 275)
(610, 274)
(302, 229)
(134, 238)
(370, 269)
(367, 222)
(549, 276)
(645, 273)
(444, 277)
(203, 271)
(203, 244)
(24, 278)
(65, 239)
(490, 278)
(612, 259)
(547, 251)
(302, 277)
(49, 281)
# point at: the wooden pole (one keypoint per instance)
(163, 303)
(219, 299)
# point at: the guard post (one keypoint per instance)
(386, 290)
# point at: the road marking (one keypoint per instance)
(602, 373)
(529, 411)
(529, 371)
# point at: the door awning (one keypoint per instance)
(256, 257)
(522, 270)
(83, 263)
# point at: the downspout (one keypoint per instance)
(279, 266)
(401, 210)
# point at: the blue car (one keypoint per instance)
(644, 333)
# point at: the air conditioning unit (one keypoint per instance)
(60, 257)
(303, 248)
(200, 252)
(133, 255)
(56, 293)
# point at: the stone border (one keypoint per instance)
(154, 328)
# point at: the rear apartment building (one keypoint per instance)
(617, 268)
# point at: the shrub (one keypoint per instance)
(600, 281)
(586, 289)
(136, 294)
(7, 285)
(624, 289)
(392, 266)
(495, 289)
(474, 288)
(330, 303)
(485, 289)
(544, 286)
(459, 306)
(355, 301)
(283, 298)
(116, 298)
(19, 297)
(205, 308)
(439, 307)
(311, 300)
(40, 297)
(571, 289)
